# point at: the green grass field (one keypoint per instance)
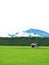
(24, 55)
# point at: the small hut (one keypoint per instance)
(34, 45)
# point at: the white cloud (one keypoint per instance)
(35, 35)
(21, 34)
(4, 35)
(18, 15)
(24, 34)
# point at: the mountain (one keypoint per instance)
(31, 32)
(37, 32)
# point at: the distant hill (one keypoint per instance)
(31, 32)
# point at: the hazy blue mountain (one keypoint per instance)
(37, 31)
(31, 32)
(13, 35)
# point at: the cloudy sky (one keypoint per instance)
(18, 15)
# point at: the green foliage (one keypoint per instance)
(24, 55)
(23, 41)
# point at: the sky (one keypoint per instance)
(19, 15)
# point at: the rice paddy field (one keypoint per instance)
(24, 55)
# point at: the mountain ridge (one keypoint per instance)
(31, 32)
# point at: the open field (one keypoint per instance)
(24, 55)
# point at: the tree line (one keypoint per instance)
(23, 41)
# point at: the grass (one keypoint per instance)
(24, 55)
